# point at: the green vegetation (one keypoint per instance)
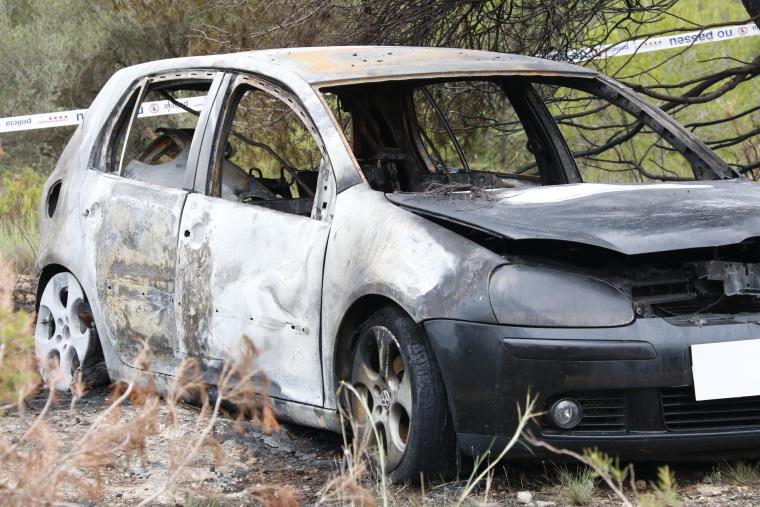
(578, 487)
(738, 473)
(19, 208)
(679, 65)
(18, 378)
(665, 492)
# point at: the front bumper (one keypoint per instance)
(636, 380)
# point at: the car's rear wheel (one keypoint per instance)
(395, 372)
(65, 340)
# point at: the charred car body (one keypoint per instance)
(448, 230)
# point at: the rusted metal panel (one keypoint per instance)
(249, 270)
(348, 64)
(134, 228)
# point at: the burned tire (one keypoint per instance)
(396, 373)
(65, 339)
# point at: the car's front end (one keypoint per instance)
(632, 388)
(600, 327)
(619, 250)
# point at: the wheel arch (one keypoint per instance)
(95, 365)
(358, 312)
(46, 273)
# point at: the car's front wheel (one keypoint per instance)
(395, 372)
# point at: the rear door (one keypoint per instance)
(132, 203)
(253, 241)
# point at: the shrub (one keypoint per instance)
(19, 214)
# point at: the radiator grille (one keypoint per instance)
(730, 305)
(681, 412)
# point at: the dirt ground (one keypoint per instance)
(305, 459)
(295, 456)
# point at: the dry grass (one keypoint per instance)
(137, 415)
(361, 479)
(37, 467)
(738, 473)
(113, 436)
(577, 486)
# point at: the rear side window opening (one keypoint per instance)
(432, 135)
(152, 136)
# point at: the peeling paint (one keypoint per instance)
(135, 265)
(260, 275)
(189, 274)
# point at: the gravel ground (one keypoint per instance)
(296, 456)
(305, 459)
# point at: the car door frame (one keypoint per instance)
(103, 178)
(307, 102)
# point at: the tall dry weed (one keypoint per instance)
(356, 479)
(18, 373)
(39, 466)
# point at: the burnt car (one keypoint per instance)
(448, 230)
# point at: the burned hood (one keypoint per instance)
(631, 219)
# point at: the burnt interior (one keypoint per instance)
(394, 151)
(396, 131)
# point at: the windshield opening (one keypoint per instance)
(509, 132)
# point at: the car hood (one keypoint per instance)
(631, 219)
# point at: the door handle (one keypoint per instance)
(186, 233)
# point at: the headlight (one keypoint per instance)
(534, 296)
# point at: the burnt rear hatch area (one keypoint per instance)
(634, 383)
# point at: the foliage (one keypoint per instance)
(48, 70)
(19, 212)
(728, 122)
(665, 492)
(739, 473)
(18, 375)
(578, 487)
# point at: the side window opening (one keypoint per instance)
(342, 115)
(152, 139)
(268, 154)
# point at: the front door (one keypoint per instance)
(132, 206)
(251, 250)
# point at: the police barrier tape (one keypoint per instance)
(667, 42)
(75, 117)
(163, 107)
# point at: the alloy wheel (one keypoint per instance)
(380, 376)
(63, 331)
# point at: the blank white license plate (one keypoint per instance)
(726, 370)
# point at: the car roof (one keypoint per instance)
(353, 64)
